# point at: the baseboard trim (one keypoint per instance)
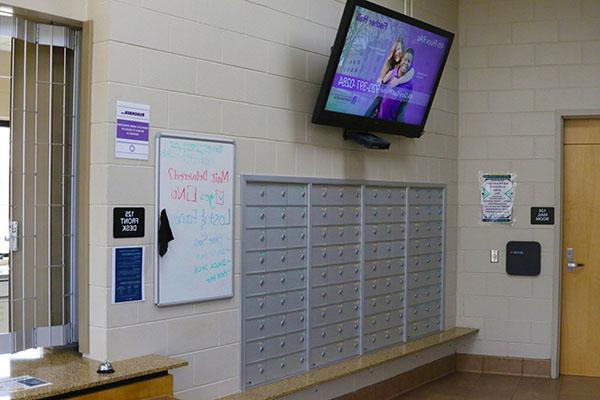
(405, 382)
(516, 366)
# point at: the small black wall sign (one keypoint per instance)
(128, 222)
(542, 215)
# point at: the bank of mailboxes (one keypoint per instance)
(335, 260)
(384, 283)
(333, 270)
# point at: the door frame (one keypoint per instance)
(16, 26)
(560, 117)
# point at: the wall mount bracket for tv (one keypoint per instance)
(366, 139)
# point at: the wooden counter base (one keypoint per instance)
(145, 389)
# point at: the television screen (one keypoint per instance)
(383, 72)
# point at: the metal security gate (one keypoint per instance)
(43, 120)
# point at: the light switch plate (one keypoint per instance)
(494, 256)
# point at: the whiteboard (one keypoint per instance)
(195, 185)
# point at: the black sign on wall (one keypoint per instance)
(128, 222)
(542, 215)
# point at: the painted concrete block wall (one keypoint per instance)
(519, 62)
(249, 70)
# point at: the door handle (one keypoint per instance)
(13, 235)
(571, 264)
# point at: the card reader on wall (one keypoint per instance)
(523, 258)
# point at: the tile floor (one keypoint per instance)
(472, 386)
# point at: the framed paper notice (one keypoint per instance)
(128, 274)
(497, 192)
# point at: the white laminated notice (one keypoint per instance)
(132, 130)
(497, 197)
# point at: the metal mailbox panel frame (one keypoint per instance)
(365, 187)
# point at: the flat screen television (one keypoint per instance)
(383, 72)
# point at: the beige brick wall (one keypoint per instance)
(519, 62)
(249, 70)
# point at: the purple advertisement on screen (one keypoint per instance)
(387, 69)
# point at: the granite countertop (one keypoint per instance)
(285, 387)
(68, 371)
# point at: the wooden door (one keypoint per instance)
(580, 303)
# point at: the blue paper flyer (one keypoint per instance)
(128, 274)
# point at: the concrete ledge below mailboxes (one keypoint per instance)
(351, 366)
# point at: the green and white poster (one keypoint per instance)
(497, 193)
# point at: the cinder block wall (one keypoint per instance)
(519, 62)
(248, 70)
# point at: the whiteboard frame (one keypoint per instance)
(199, 138)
